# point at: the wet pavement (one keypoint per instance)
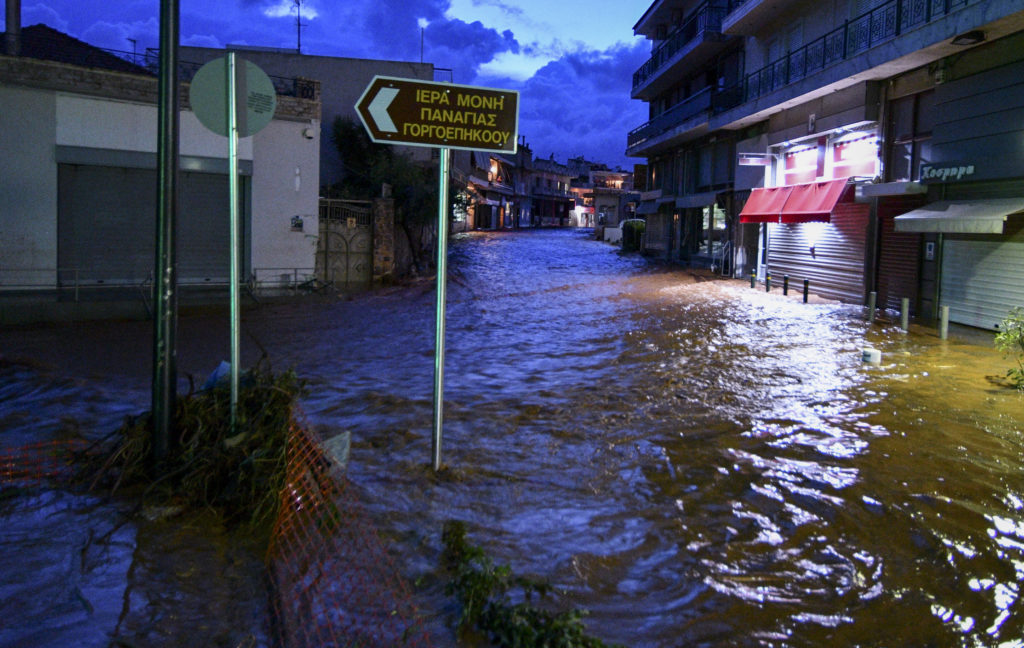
(695, 462)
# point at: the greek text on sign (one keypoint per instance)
(946, 172)
(426, 113)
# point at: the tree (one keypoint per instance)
(368, 166)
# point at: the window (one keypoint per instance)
(801, 165)
(910, 136)
(855, 155)
(713, 230)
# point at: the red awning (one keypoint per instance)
(802, 203)
(813, 201)
(765, 205)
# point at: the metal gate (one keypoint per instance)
(899, 254)
(344, 256)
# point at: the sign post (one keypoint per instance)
(446, 116)
(442, 284)
(236, 104)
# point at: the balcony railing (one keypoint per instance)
(882, 23)
(706, 19)
(699, 103)
(858, 35)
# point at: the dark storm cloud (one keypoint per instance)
(464, 47)
(576, 104)
(580, 105)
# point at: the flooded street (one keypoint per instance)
(694, 462)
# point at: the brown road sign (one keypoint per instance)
(425, 113)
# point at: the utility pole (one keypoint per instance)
(165, 289)
(298, 26)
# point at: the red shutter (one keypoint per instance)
(899, 254)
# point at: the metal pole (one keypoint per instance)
(807, 289)
(233, 196)
(905, 313)
(767, 282)
(785, 284)
(872, 300)
(753, 278)
(442, 280)
(944, 323)
(165, 299)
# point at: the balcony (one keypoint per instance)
(748, 16)
(881, 24)
(855, 37)
(688, 110)
(698, 38)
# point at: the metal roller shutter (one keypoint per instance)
(203, 228)
(106, 225)
(899, 254)
(836, 269)
(983, 276)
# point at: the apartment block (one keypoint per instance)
(863, 145)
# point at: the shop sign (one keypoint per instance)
(946, 172)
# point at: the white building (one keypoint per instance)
(78, 190)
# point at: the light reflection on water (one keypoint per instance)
(695, 462)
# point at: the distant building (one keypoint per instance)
(871, 148)
(599, 191)
(78, 207)
(490, 183)
(551, 196)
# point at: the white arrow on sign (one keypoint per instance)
(379, 109)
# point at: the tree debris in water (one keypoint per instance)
(483, 592)
(238, 474)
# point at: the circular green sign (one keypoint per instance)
(255, 97)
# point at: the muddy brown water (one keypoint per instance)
(694, 462)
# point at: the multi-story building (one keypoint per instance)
(599, 193)
(551, 196)
(864, 145)
(491, 184)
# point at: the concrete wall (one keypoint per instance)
(284, 185)
(94, 122)
(28, 186)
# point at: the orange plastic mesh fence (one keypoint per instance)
(335, 583)
(37, 463)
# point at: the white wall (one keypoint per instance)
(285, 183)
(92, 122)
(33, 122)
(28, 187)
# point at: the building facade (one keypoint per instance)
(599, 193)
(858, 144)
(78, 209)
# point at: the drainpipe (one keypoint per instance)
(12, 37)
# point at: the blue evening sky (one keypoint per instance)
(571, 60)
